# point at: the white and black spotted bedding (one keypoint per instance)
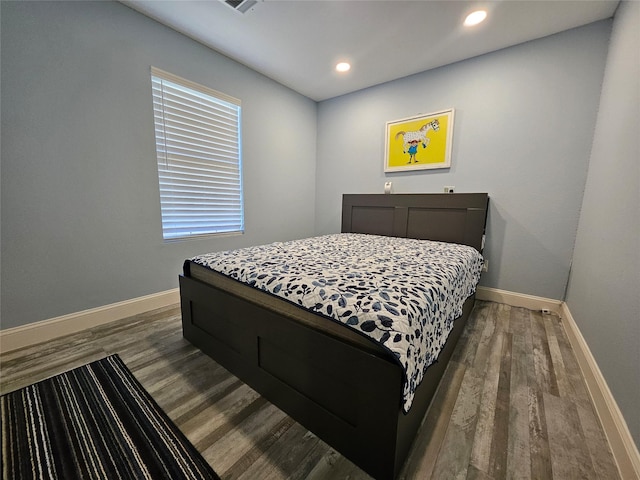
(404, 293)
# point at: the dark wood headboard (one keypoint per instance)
(445, 217)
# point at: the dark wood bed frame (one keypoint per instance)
(349, 397)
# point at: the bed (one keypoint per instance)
(348, 389)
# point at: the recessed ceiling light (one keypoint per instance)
(343, 67)
(475, 18)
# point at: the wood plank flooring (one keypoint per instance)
(512, 404)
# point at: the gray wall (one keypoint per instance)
(604, 291)
(524, 119)
(81, 221)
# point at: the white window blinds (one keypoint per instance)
(199, 159)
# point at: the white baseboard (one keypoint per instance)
(38, 332)
(615, 427)
(518, 299)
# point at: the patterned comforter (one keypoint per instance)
(404, 293)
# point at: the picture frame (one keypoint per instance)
(421, 142)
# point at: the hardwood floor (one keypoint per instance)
(512, 403)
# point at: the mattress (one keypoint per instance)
(402, 293)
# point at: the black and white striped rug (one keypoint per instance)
(93, 422)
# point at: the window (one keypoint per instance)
(199, 158)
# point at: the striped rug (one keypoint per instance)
(93, 422)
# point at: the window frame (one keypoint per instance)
(198, 141)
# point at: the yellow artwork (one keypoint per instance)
(420, 142)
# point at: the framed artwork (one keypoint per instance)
(420, 142)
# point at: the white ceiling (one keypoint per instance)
(298, 42)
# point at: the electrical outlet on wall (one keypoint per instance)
(449, 189)
(485, 265)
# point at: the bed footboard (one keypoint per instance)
(332, 388)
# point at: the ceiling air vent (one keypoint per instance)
(241, 6)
